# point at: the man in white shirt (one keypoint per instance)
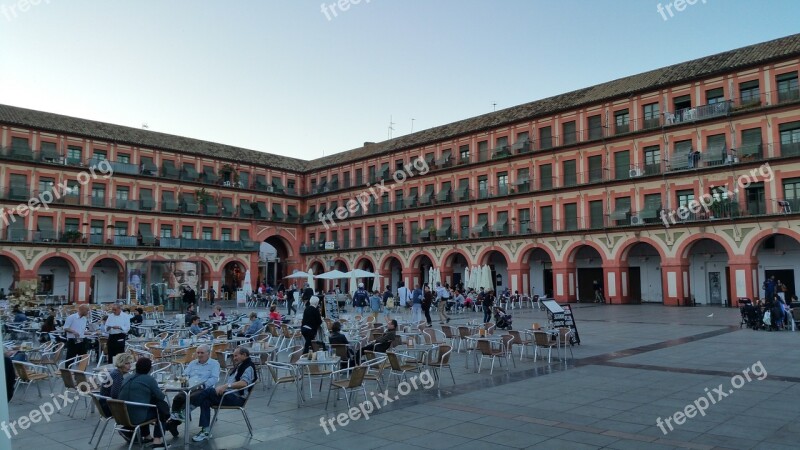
(75, 330)
(118, 325)
(404, 295)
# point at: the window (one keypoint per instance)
(596, 214)
(622, 211)
(652, 207)
(463, 154)
(359, 241)
(545, 138)
(346, 238)
(124, 158)
(546, 176)
(546, 214)
(523, 180)
(98, 195)
(46, 184)
(483, 186)
(398, 200)
(96, 231)
(684, 197)
(652, 115)
(595, 169)
(595, 126)
(72, 224)
(464, 225)
(749, 93)
(524, 219)
(715, 96)
(501, 142)
(187, 232)
(791, 194)
(787, 87)
(568, 135)
(122, 196)
(74, 155)
(290, 186)
(398, 165)
(373, 241)
(622, 165)
(682, 157)
(100, 155)
(715, 152)
(790, 139)
(226, 234)
(207, 233)
(120, 228)
(385, 234)
(622, 122)
(371, 173)
(652, 160)
(166, 231)
(49, 152)
(359, 176)
(483, 150)
(571, 216)
(335, 237)
(502, 183)
(682, 102)
(399, 234)
(346, 180)
(751, 145)
(570, 175)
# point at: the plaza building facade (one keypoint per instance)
(680, 185)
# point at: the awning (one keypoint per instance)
(277, 183)
(292, 213)
(480, 227)
(429, 159)
(168, 202)
(620, 214)
(244, 235)
(409, 201)
(461, 191)
(261, 182)
(227, 206)
(146, 199)
(424, 233)
(522, 146)
(443, 194)
(500, 224)
(189, 203)
(190, 171)
(244, 208)
(44, 223)
(146, 230)
(384, 172)
(210, 176)
(444, 230)
(500, 151)
(648, 213)
(426, 196)
(211, 207)
(49, 151)
(521, 181)
(260, 210)
(445, 157)
(310, 214)
(148, 165)
(277, 212)
(169, 168)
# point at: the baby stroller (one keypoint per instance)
(501, 319)
(751, 315)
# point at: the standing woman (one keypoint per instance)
(427, 301)
(488, 303)
(311, 322)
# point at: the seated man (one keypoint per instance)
(254, 328)
(202, 370)
(241, 375)
(195, 329)
(337, 338)
(385, 341)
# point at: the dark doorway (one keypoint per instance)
(456, 279)
(634, 285)
(586, 279)
(728, 285)
(547, 275)
(787, 277)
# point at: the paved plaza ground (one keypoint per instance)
(635, 364)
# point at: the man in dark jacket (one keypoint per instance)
(385, 341)
(11, 376)
(141, 387)
(311, 323)
(360, 298)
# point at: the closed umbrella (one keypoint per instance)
(465, 279)
(311, 278)
(353, 283)
(487, 275)
(248, 288)
(376, 284)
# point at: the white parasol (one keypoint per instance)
(248, 284)
(465, 279)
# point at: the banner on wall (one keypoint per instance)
(157, 281)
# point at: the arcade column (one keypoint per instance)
(675, 282)
(564, 283)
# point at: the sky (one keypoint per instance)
(306, 79)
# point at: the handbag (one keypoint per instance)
(768, 318)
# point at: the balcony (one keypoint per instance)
(698, 113)
(622, 128)
(788, 95)
(790, 149)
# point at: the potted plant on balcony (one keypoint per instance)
(432, 233)
(723, 207)
(229, 174)
(72, 236)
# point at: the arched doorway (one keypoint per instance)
(588, 270)
(233, 277)
(644, 274)
(778, 256)
(423, 264)
(273, 253)
(708, 272)
(457, 262)
(106, 281)
(395, 269)
(540, 271)
(318, 268)
(499, 266)
(56, 278)
(9, 273)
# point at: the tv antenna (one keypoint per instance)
(412, 125)
(494, 106)
(391, 127)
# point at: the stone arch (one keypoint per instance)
(385, 263)
(573, 249)
(452, 253)
(485, 253)
(627, 245)
(685, 246)
(525, 252)
(755, 242)
(414, 262)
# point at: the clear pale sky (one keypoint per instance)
(279, 76)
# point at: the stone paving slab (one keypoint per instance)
(636, 363)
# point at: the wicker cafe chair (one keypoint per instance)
(353, 383)
(98, 401)
(119, 411)
(27, 374)
(442, 361)
(542, 339)
(292, 375)
(220, 406)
